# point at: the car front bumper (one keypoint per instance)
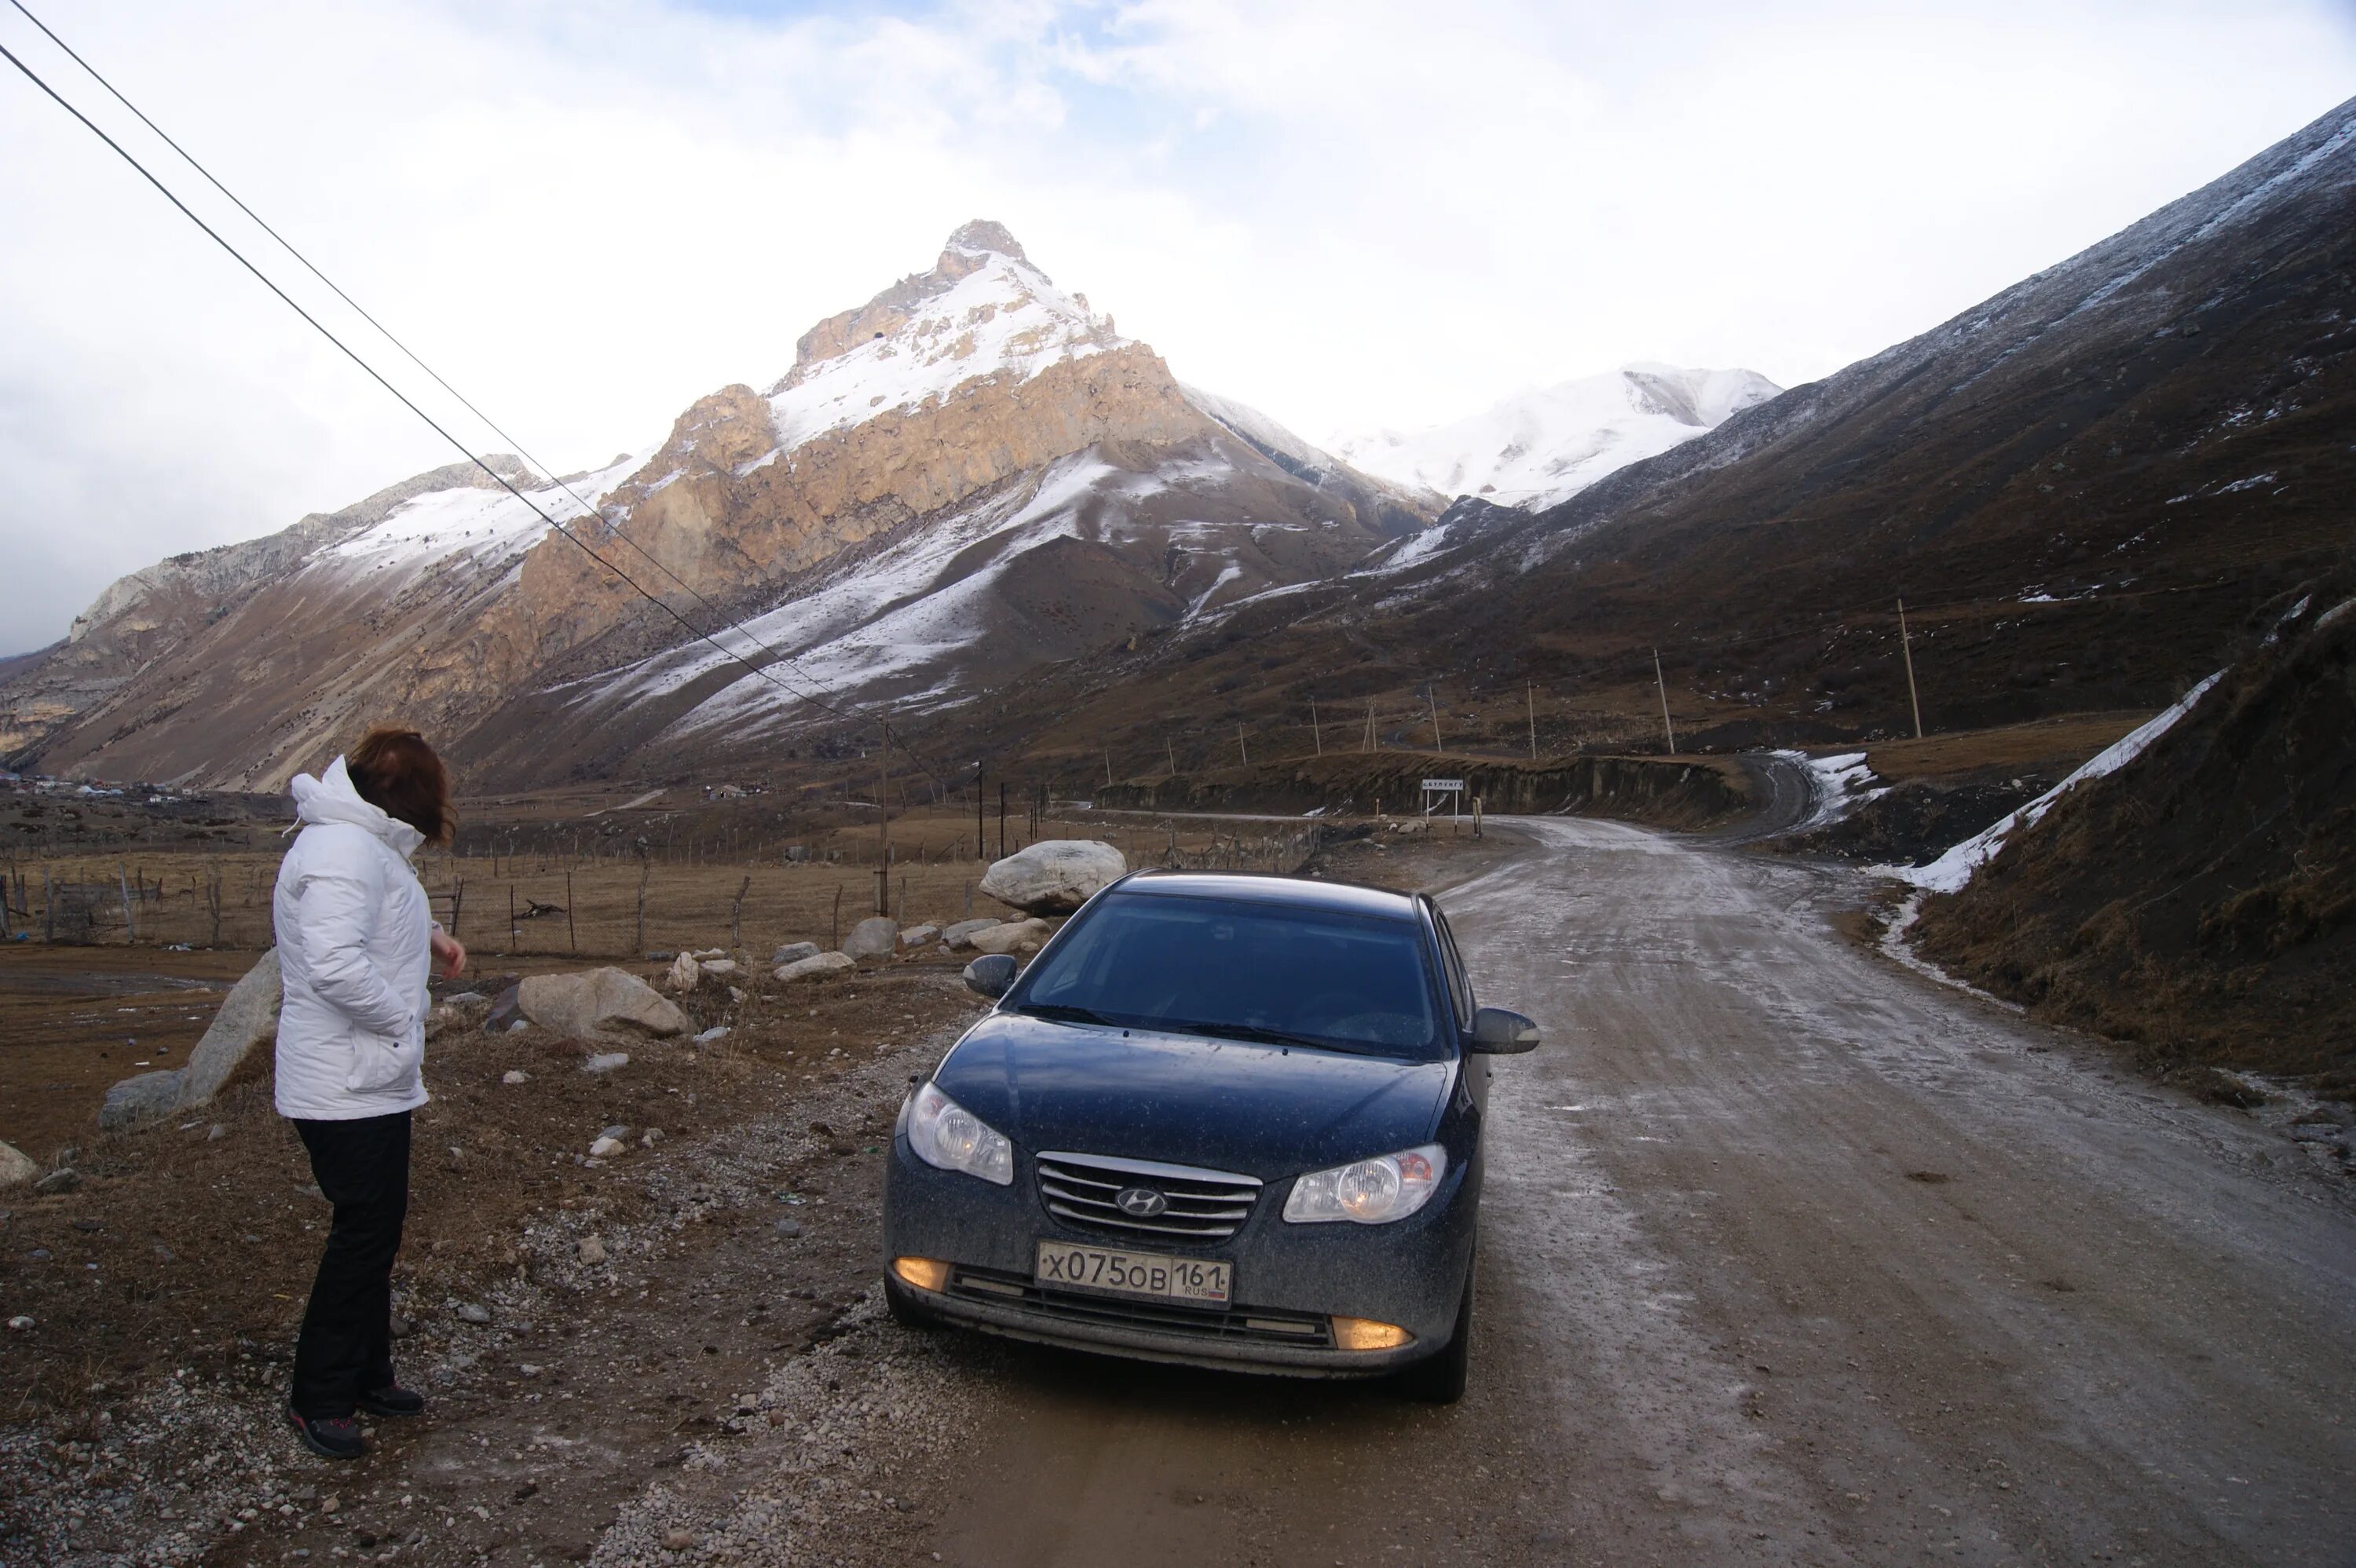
(1291, 1280)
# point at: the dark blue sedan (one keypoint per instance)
(1222, 1120)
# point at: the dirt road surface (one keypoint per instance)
(1789, 1255)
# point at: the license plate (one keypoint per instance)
(1113, 1273)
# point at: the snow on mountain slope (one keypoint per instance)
(1541, 448)
(984, 311)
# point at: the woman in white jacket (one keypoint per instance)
(356, 945)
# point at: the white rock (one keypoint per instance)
(719, 968)
(1014, 936)
(718, 1031)
(605, 1062)
(1055, 876)
(593, 1249)
(816, 969)
(872, 937)
(16, 1167)
(18, 1324)
(606, 1148)
(960, 936)
(686, 973)
(917, 935)
(515, 1076)
(602, 1004)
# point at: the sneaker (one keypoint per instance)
(393, 1399)
(328, 1436)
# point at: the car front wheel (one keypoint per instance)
(1440, 1379)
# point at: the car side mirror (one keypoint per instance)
(1496, 1032)
(992, 974)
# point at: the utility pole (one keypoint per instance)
(1662, 681)
(1239, 743)
(1170, 746)
(1002, 819)
(980, 842)
(1369, 745)
(884, 824)
(1431, 695)
(1315, 734)
(1530, 689)
(1107, 767)
(1906, 652)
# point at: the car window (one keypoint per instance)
(1251, 969)
(1460, 982)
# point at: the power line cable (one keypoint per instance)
(404, 398)
(587, 507)
(766, 673)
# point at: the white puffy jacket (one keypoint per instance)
(355, 949)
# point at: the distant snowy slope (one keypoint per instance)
(1542, 448)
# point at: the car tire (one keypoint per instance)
(1440, 1379)
(903, 1307)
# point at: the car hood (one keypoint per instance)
(1260, 1110)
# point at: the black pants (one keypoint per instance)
(362, 1167)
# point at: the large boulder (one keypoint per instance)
(604, 1004)
(873, 937)
(815, 969)
(1014, 936)
(1055, 876)
(247, 1018)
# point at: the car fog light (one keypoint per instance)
(1365, 1334)
(929, 1274)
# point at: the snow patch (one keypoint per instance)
(1951, 872)
(1540, 449)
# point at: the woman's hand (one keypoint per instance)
(450, 953)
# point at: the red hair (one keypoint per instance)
(395, 771)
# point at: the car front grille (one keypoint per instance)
(1237, 1323)
(1198, 1205)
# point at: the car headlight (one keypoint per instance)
(946, 1134)
(1368, 1191)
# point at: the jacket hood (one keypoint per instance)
(1265, 1110)
(330, 798)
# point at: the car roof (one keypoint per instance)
(1263, 887)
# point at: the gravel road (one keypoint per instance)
(1789, 1256)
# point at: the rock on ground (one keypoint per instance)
(247, 1018)
(794, 952)
(1055, 876)
(602, 1004)
(817, 968)
(917, 935)
(873, 937)
(960, 935)
(1014, 936)
(686, 973)
(15, 1167)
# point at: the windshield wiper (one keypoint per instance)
(1251, 1032)
(1064, 1013)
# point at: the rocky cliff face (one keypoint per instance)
(968, 474)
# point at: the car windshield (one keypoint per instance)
(1242, 969)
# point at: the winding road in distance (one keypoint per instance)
(1788, 1255)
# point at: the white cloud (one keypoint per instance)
(1347, 214)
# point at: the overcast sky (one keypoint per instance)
(1347, 214)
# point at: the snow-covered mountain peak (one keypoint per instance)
(1541, 448)
(982, 311)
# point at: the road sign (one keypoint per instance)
(1438, 785)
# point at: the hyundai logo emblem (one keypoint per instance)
(1140, 1203)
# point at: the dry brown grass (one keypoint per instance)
(2049, 745)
